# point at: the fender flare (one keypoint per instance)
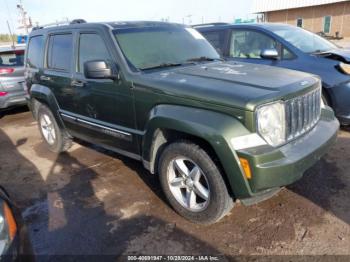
(215, 128)
(44, 95)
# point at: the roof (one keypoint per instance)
(268, 26)
(138, 24)
(262, 6)
(112, 25)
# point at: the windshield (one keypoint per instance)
(304, 40)
(12, 58)
(147, 48)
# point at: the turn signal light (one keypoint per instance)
(11, 223)
(3, 93)
(246, 168)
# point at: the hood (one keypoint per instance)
(240, 85)
(338, 54)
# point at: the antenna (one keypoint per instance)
(11, 35)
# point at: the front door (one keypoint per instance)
(247, 45)
(105, 107)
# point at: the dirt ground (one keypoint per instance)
(91, 201)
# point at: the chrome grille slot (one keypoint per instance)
(302, 113)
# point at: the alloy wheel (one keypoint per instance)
(188, 184)
(47, 129)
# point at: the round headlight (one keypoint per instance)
(271, 123)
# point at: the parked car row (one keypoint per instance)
(12, 76)
(214, 131)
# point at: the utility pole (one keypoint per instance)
(189, 19)
(24, 21)
(11, 35)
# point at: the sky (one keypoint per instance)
(187, 11)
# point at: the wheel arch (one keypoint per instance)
(210, 130)
(327, 93)
(40, 94)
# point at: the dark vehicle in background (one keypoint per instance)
(14, 239)
(157, 92)
(289, 47)
(12, 92)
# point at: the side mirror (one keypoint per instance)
(269, 54)
(99, 69)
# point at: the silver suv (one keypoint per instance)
(12, 76)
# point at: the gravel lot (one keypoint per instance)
(90, 201)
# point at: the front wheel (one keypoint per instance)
(193, 183)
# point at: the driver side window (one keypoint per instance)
(250, 44)
(91, 47)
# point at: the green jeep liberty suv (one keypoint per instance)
(213, 131)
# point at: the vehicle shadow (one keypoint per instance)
(71, 215)
(149, 179)
(13, 111)
(345, 128)
(323, 184)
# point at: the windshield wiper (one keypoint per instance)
(164, 65)
(203, 59)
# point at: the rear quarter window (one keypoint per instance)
(60, 52)
(35, 51)
(12, 58)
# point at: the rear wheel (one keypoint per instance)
(57, 139)
(193, 183)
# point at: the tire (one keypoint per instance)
(58, 140)
(211, 201)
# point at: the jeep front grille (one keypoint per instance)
(303, 113)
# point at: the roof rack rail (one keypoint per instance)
(77, 21)
(60, 23)
(211, 24)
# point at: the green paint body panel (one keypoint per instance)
(213, 101)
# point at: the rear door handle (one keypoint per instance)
(78, 83)
(45, 78)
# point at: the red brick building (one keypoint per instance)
(329, 16)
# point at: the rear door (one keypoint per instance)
(58, 70)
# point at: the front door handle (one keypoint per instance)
(45, 78)
(78, 83)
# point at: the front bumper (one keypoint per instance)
(340, 102)
(278, 167)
